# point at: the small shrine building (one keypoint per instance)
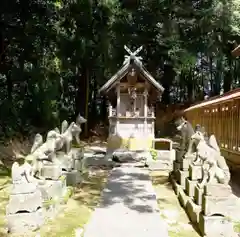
(132, 94)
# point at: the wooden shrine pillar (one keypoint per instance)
(118, 106)
(145, 109)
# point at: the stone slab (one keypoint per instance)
(165, 155)
(218, 205)
(198, 194)
(129, 195)
(160, 165)
(190, 187)
(181, 177)
(183, 198)
(29, 202)
(217, 190)
(24, 222)
(214, 226)
(193, 210)
(195, 172)
(52, 172)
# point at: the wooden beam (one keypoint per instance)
(236, 51)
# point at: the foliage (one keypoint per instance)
(56, 54)
(153, 153)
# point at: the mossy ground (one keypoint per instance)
(75, 214)
(176, 218)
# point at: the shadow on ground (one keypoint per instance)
(126, 188)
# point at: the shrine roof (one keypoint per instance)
(130, 62)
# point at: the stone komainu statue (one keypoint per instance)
(214, 165)
(186, 132)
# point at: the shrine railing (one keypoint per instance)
(220, 116)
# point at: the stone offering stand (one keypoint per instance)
(42, 181)
(209, 204)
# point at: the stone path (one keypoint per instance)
(129, 207)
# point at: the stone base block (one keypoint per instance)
(198, 195)
(77, 153)
(183, 198)
(176, 166)
(190, 187)
(195, 172)
(23, 188)
(30, 202)
(52, 172)
(218, 205)
(78, 165)
(176, 186)
(181, 177)
(73, 177)
(52, 189)
(65, 161)
(193, 211)
(217, 190)
(184, 165)
(214, 226)
(24, 222)
(160, 165)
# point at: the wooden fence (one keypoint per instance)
(220, 116)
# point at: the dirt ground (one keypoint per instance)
(174, 215)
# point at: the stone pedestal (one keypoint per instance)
(65, 161)
(78, 155)
(51, 171)
(53, 189)
(24, 222)
(24, 210)
(190, 187)
(215, 226)
(27, 202)
(193, 210)
(73, 177)
(217, 199)
(195, 172)
(78, 165)
(181, 177)
(198, 195)
(184, 165)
